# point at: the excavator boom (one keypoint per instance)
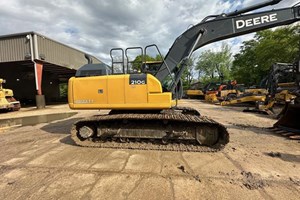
(222, 27)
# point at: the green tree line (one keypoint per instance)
(255, 58)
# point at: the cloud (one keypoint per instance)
(97, 26)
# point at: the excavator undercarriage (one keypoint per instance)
(180, 129)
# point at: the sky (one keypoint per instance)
(96, 26)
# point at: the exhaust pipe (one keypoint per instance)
(89, 58)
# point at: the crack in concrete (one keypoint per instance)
(126, 161)
(172, 187)
(187, 165)
(135, 187)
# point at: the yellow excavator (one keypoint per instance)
(195, 91)
(7, 100)
(144, 112)
(288, 123)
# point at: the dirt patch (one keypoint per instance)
(253, 181)
(248, 126)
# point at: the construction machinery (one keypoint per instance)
(274, 88)
(144, 112)
(218, 92)
(195, 91)
(280, 83)
(288, 123)
(7, 100)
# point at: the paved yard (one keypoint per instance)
(41, 162)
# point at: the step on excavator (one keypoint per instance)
(144, 112)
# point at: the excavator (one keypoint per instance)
(280, 83)
(144, 112)
(288, 123)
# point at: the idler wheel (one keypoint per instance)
(207, 136)
(86, 132)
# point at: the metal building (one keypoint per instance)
(35, 66)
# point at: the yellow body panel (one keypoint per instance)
(245, 99)
(284, 96)
(212, 98)
(117, 92)
(256, 91)
(194, 93)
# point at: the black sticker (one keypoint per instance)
(137, 79)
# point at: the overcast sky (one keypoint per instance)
(96, 26)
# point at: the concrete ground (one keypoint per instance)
(41, 162)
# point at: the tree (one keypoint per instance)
(137, 62)
(189, 73)
(268, 46)
(240, 66)
(212, 63)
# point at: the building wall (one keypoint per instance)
(60, 54)
(15, 48)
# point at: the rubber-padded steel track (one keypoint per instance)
(187, 121)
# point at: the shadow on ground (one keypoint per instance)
(68, 140)
(60, 127)
(255, 129)
(284, 156)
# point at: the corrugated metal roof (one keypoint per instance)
(16, 47)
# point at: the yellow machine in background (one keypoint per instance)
(276, 91)
(288, 123)
(219, 92)
(256, 91)
(7, 101)
(195, 91)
